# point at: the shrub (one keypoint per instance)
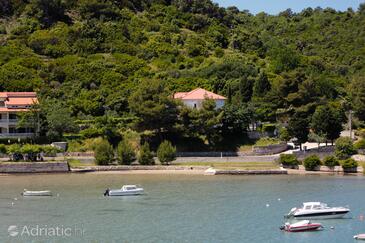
(166, 152)
(284, 134)
(331, 161)
(267, 141)
(104, 153)
(126, 154)
(344, 148)
(50, 150)
(74, 146)
(288, 160)
(2, 149)
(2, 29)
(145, 157)
(349, 164)
(360, 144)
(14, 151)
(311, 162)
(91, 132)
(30, 152)
(269, 128)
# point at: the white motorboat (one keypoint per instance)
(359, 237)
(315, 210)
(126, 190)
(36, 193)
(304, 225)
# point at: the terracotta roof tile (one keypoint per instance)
(198, 94)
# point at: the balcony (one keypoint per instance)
(9, 121)
(12, 121)
(16, 135)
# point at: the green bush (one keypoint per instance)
(50, 150)
(270, 128)
(145, 157)
(349, 164)
(267, 141)
(344, 148)
(284, 134)
(104, 153)
(311, 162)
(2, 29)
(360, 144)
(288, 160)
(30, 152)
(331, 161)
(126, 154)
(360, 132)
(166, 152)
(14, 151)
(91, 132)
(2, 149)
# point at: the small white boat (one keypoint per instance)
(316, 210)
(210, 171)
(36, 193)
(304, 225)
(126, 190)
(359, 237)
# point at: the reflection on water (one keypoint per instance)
(178, 208)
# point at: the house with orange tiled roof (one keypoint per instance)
(11, 103)
(195, 98)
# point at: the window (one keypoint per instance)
(194, 105)
(12, 116)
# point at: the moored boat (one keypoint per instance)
(126, 190)
(36, 193)
(304, 225)
(359, 237)
(316, 210)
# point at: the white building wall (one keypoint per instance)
(198, 103)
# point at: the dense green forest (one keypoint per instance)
(102, 67)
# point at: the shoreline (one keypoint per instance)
(172, 170)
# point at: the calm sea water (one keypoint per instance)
(176, 208)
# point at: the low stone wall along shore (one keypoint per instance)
(34, 167)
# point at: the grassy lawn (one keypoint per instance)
(235, 165)
(78, 163)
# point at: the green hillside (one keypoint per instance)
(107, 66)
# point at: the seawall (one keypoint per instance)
(34, 167)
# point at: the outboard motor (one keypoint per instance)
(106, 193)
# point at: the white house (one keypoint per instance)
(195, 98)
(11, 103)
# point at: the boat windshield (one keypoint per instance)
(129, 187)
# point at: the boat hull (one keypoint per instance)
(359, 237)
(37, 193)
(309, 227)
(323, 215)
(119, 193)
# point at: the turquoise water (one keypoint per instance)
(176, 208)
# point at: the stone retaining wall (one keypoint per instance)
(269, 149)
(321, 152)
(136, 167)
(251, 172)
(34, 167)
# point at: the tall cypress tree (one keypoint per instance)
(262, 85)
(245, 89)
